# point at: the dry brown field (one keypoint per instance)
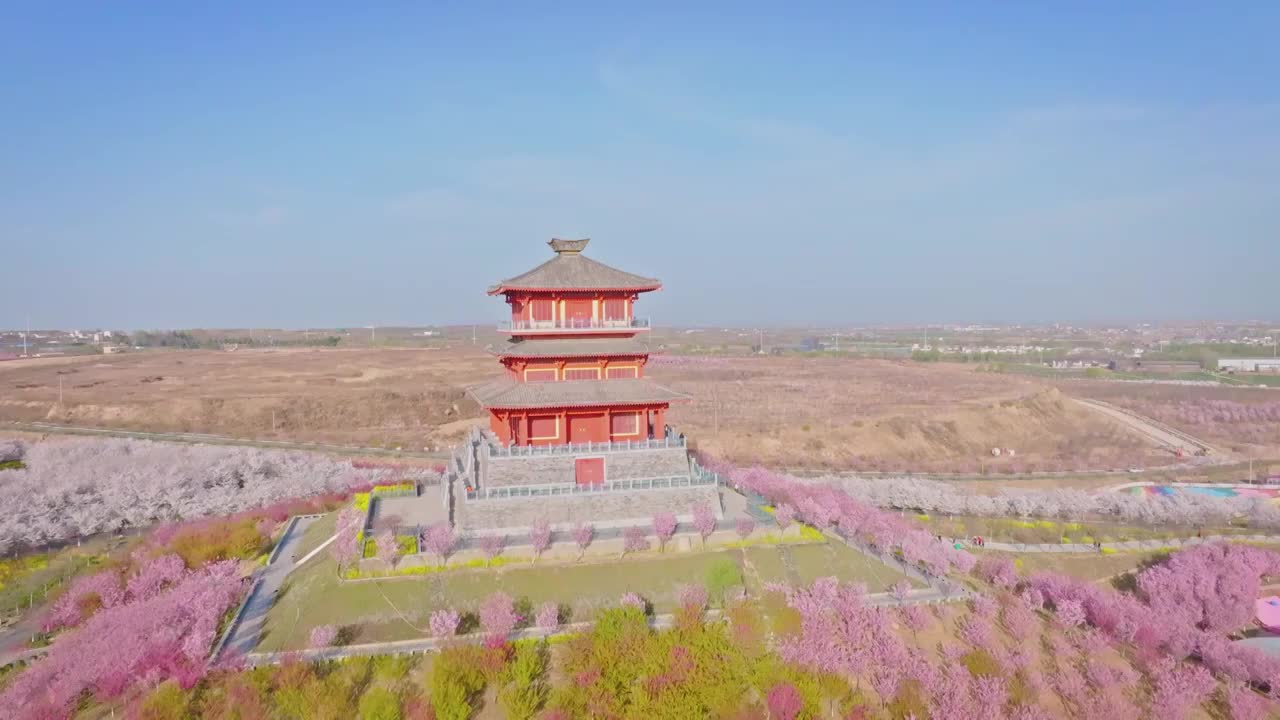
(796, 412)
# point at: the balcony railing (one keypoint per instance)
(572, 324)
(572, 488)
(671, 440)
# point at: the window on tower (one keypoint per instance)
(615, 309)
(542, 309)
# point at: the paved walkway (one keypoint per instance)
(1127, 546)
(246, 629)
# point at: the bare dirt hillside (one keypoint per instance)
(886, 415)
(412, 398)
(816, 413)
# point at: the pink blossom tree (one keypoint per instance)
(540, 537)
(492, 546)
(346, 548)
(86, 486)
(439, 540)
(582, 536)
(1179, 688)
(498, 616)
(443, 623)
(784, 514)
(915, 617)
(985, 606)
(1070, 613)
(388, 550)
(323, 636)
(664, 526)
(166, 635)
(548, 616)
(900, 590)
(693, 597)
(744, 526)
(634, 540)
(84, 598)
(632, 600)
(704, 521)
(784, 702)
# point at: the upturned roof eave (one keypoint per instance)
(501, 288)
(580, 406)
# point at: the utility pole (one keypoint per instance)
(24, 336)
(59, 388)
(373, 334)
(473, 334)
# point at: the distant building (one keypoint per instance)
(112, 349)
(1159, 366)
(1270, 364)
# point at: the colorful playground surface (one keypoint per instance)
(1222, 491)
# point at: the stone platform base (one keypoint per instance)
(616, 509)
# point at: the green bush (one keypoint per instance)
(379, 703)
(526, 689)
(457, 679)
(981, 664)
(722, 575)
(167, 702)
(219, 540)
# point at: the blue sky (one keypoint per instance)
(172, 165)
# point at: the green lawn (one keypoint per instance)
(398, 608)
(814, 561)
(316, 533)
(1084, 566)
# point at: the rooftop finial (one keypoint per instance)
(568, 247)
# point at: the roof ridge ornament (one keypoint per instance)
(568, 247)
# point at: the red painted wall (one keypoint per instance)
(588, 428)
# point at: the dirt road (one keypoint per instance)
(1160, 433)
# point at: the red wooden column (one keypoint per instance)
(502, 427)
(659, 423)
(564, 428)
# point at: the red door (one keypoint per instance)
(587, 428)
(589, 471)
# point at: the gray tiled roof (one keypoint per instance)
(508, 393)
(570, 269)
(585, 347)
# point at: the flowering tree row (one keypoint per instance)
(931, 496)
(824, 506)
(72, 488)
(155, 624)
(1186, 606)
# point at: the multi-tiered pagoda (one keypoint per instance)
(574, 364)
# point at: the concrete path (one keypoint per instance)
(245, 630)
(1127, 546)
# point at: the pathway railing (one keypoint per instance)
(574, 324)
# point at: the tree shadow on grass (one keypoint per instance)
(1128, 582)
(347, 635)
